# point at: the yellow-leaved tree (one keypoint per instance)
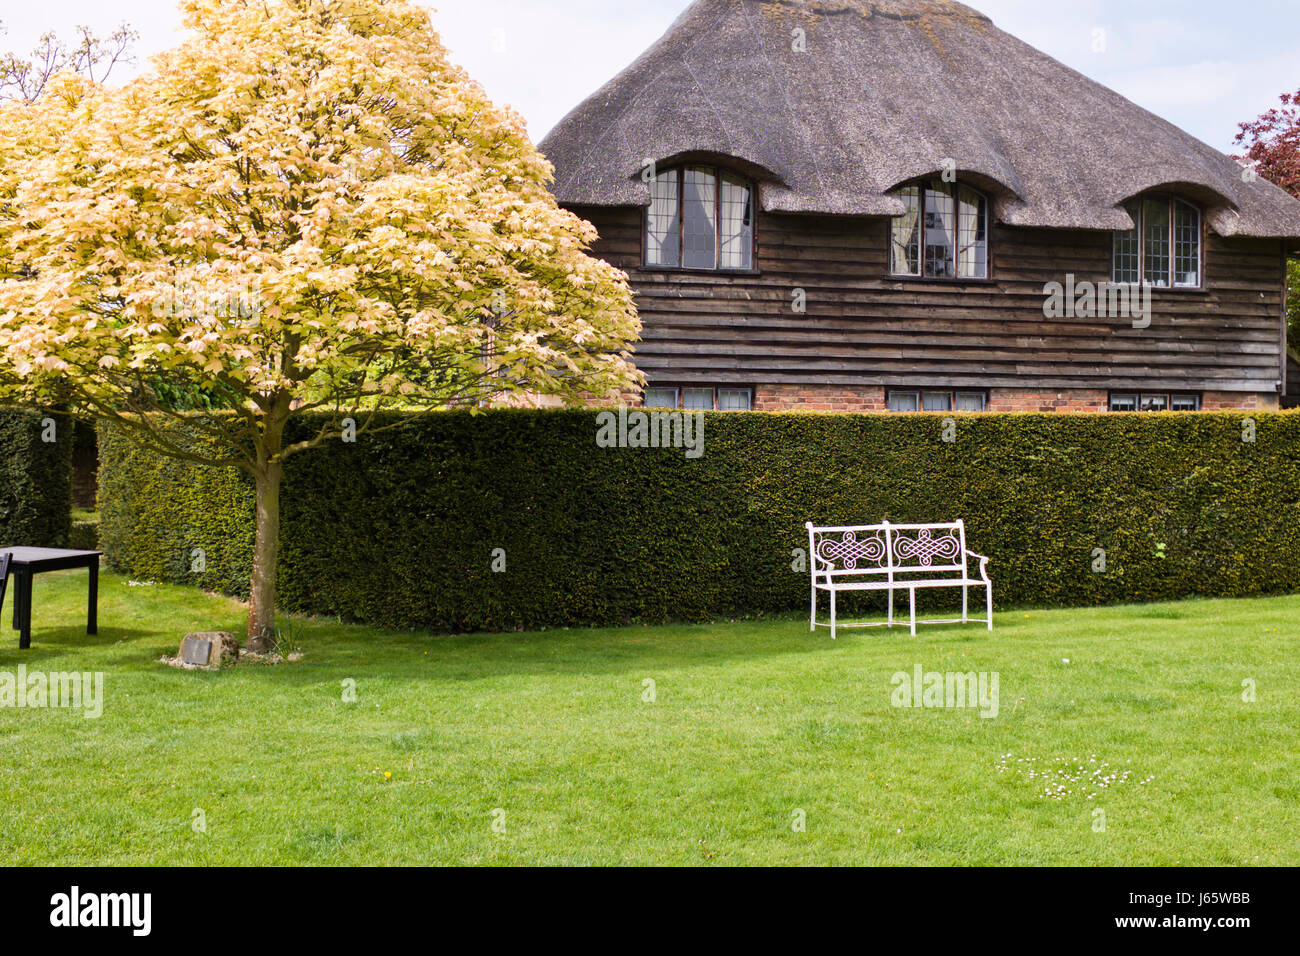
(305, 206)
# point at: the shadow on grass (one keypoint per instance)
(60, 641)
(416, 657)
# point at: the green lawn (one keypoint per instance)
(752, 722)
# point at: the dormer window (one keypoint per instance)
(1164, 249)
(700, 217)
(943, 235)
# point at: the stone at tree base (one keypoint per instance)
(208, 648)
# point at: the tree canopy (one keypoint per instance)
(1272, 144)
(305, 205)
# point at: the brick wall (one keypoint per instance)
(1238, 401)
(1062, 400)
(811, 398)
(824, 398)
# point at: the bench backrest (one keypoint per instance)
(894, 551)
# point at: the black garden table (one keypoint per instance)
(26, 563)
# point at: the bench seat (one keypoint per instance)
(899, 585)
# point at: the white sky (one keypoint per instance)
(1205, 65)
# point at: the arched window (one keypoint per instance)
(700, 217)
(943, 235)
(1165, 248)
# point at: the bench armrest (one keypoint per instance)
(984, 564)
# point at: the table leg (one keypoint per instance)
(92, 600)
(25, 596)
(15, 582)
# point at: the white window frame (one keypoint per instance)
(1137, 210)
(982, 202)
(719, 174)
(679, 392)
(1138, 399)
(954, 399)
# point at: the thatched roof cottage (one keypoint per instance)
(871, 204)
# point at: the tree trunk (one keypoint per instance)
(266, 550)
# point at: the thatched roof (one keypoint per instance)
(886, 92)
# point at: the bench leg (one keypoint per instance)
(989, 600)
(912, 601)
(813, 626)
(891, 607)
(832, 614)
(965, 603)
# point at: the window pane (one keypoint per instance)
(1123, 403)
(1126, 250)
(970, 401)
(940, 230)
(699, 220)
(697, 399)
(661, 398)
(734, 399)
(1155, 241)
(906, 234)
(904, 401)
(1187, 245)
(1185, 403)
(1154, 403)
(937, 401)
(973, 247)
(662, 240)
(737, 224)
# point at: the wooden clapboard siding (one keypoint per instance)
(1292, 397)
(864, 328)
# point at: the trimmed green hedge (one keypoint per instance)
(399, 528)
(35, 478)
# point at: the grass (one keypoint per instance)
(752, 722)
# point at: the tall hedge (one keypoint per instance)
(35, 478)
(400, 528)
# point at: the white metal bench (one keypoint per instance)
(895, 557)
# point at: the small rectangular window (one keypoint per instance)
(1187, 246)
(906, 234)
(735, 399)
(737, 206)
(661, 398)
(699, 220)
(697, 399)
(1127, 259)
(1155, 241)
(972, 245)
(936, 400)
(904, 401)
(940, 231)
(663, 228)
(1153, 402)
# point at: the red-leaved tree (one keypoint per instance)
(1273, 148)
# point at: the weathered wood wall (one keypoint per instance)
(863, 327)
